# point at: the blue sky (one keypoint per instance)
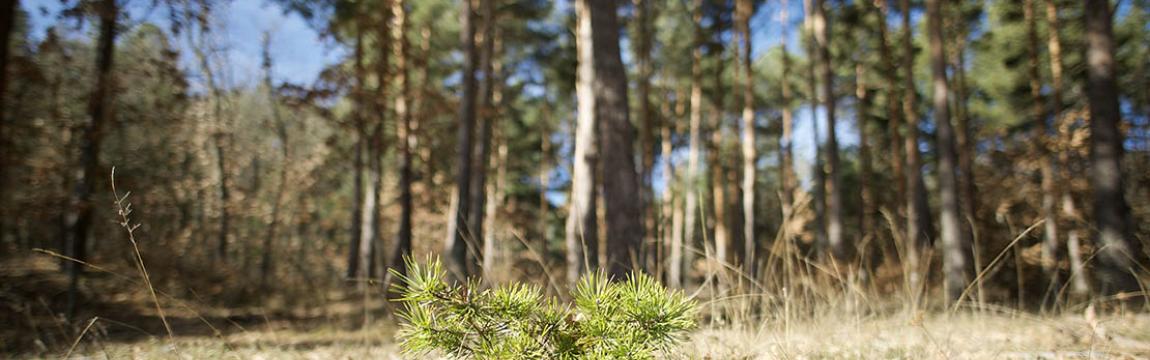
(298, 51)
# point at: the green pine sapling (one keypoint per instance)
(633, 319)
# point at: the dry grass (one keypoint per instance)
(965, 336)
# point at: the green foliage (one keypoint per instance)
(633, 319)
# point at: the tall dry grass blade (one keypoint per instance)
(123, 209)
(981, 274)
(78, 338)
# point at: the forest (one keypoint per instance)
(756, 178)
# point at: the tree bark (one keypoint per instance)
(839, 248)
(582, 231)
(866, 216)
(745, 9)
(8, 10)
(402, 247)
(100, 112)
(691, 184)
(786, 140)
(1079, 286)
(460, 234)
(890, 85)
(1050, 246)
(918, 223)
(621, 189)
(955, 259)
(285, 155)
(818, 188)
(1117, 247)
(483, 151)
(643, 21)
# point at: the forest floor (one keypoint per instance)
(119, 327)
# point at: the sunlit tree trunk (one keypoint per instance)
(1116, 245)
(818, 186)
(745, 9)
(582, 232)
(821, 25)
(786, 140)
(918, 223)
(406, 141)
(691, 186)
(716, 161)
(1079, 285)
(100, 106)
(459, 232)
(672, 212)
(955, 259)
(1041, 128)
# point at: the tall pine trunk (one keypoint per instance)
(460, 234)
(955, 259)
(643, 23)
(918, 223)
(100, 113)
(834, 200)
(1079, 286)
(1117, 246)
(1041, 140)
(818, 188)
(7, 24)
(480, 163)
(621, 189)
(361, 142)
(745, 9)
(402, 247)
(582, 231)
(281, 129)
(691, 185)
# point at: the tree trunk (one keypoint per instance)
(483, 151)
(282, 131)
(918, 224)
(643, 21)
(1117, 247)
(545, 169)
(401, 249)
(964, 138)
(1079, 287)
(582, 231)
(621, 189)
(8, 10)
(890, 85)
(866, 216)
(786, 136)
(357, 218)
(691, 186)
(100, 112)
(746, 9)
(460, 234)
(671, 213)
(955, 259)
(839, 248)
(1048, 213)
(818, 187)
(716, 163)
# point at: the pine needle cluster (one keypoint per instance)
(632, 319)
